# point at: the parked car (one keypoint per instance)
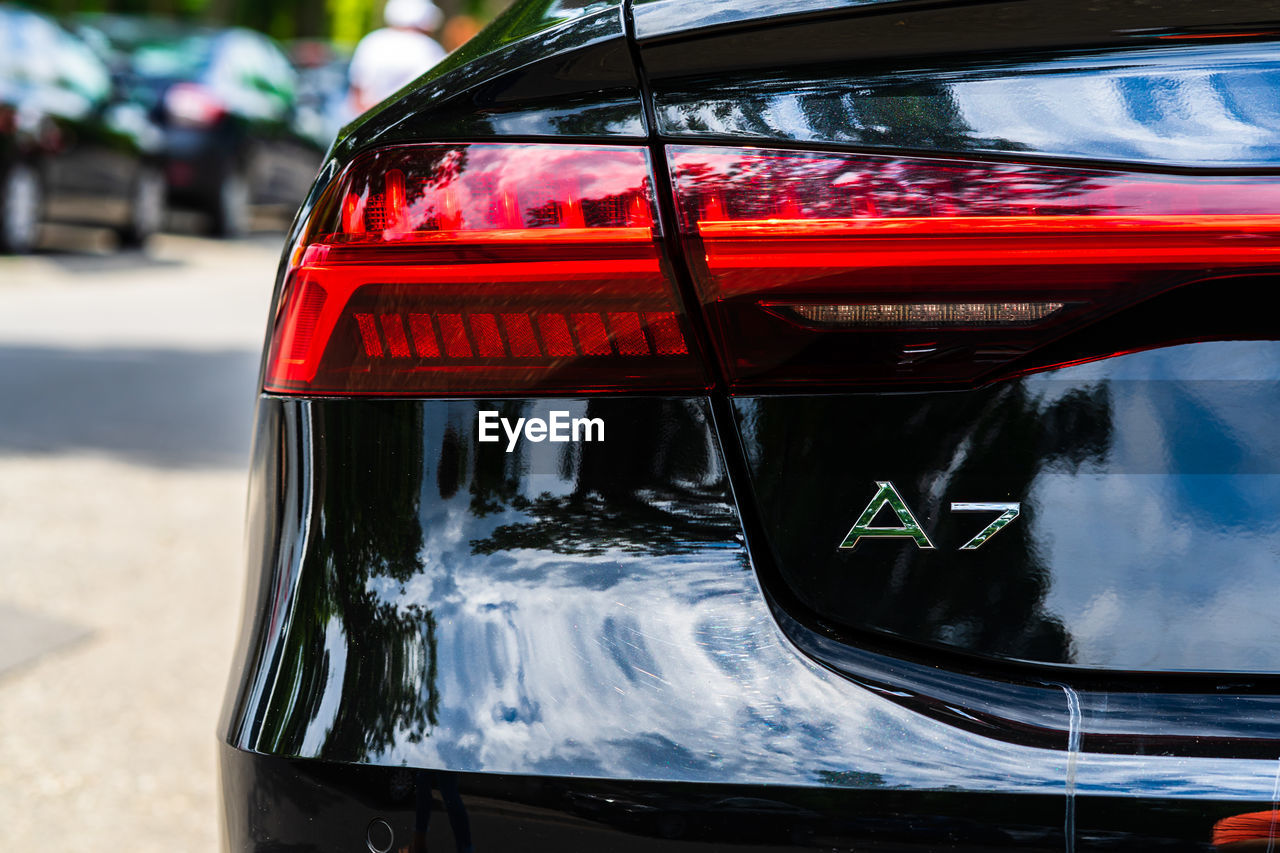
(324, 102)
(227, 100)
(71, 148)
(816, 425)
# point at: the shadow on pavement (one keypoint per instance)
(162, 407)
(83, 250)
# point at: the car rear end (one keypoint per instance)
(789, 425)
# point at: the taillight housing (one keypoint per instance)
(839, 270)
(482, 269)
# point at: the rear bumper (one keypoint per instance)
(290, 804)
(581, 643)
(277, 804)
(197, 161)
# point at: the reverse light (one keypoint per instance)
(923, 314)
(820, 269)
(483, 269)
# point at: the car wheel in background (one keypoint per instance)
(146, 207)
(21, 199)
(231, 207)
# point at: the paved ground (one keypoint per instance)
(126, 389)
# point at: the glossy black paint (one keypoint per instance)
(684, 39)
(597, 646)
(1104, 82)
(1166, 106)
(276, 803)
(544, 69)
(1135, 474)
(433, 602)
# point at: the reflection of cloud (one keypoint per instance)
(631, 665)
(1164, 554)
(1138, 582)
(692, 681)
(1192, 114)
(1166, 776)
(335, 666)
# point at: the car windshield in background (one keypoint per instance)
(175, 60)
(151, 48)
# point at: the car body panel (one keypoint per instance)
(461, 566)
(564, 636)
(570, 77)
(687, 39)
(318, 805)
(1135, 475)
(1180, 107)
(626, 558)
(1162, 102)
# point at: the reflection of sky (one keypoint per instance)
(671, 667)
(1210, 110)
(581, 665)
(1198, 106)
(1166, 554)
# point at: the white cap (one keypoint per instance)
(420, 14)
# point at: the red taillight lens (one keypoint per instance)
(483, 269)
(835, 269)
(192, 105)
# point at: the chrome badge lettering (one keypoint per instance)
(1008, 512)
(887, 496)
(909, 527)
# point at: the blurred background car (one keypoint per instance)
(73, 146)
(127, 380)
(323, 104)
(227, 100)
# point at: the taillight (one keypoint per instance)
(821, 269)
(473, 269)
(192, 105)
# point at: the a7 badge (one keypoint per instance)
(909, 528)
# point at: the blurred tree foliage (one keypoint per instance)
(340, 20)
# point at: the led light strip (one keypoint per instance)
(919, 313)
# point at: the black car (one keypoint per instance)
(324, 102)
(779, 424)
(227, 100)
(72, 147)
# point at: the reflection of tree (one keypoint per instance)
(495, 483)
(987, 445)
(839, 186)
(606, 211)
(919, 114)
(652, 497)
(592, 524)
(365, 528)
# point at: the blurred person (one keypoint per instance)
(458, 31)
(387, 59)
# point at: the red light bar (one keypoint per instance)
(783, 242)
(482, 269)
(1248, 831)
